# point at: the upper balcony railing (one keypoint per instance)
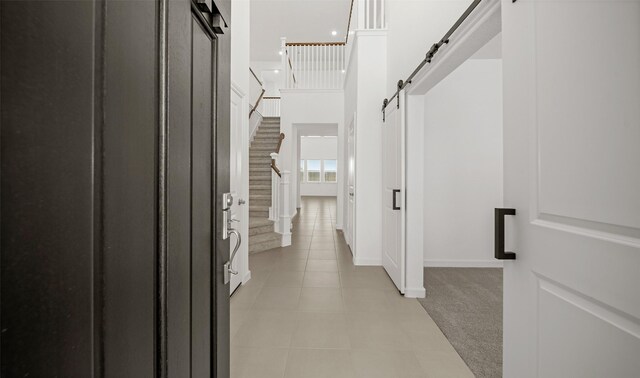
(322, 65)
(270, 106)
(313, 65)
(368, 15)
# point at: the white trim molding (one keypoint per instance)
(367, 262)
(480, 27)
(415, 292)
(462, 263)
(246, 277)
(295, 90)
(236, 88)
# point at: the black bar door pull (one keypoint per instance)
(394, 193)
(501, 254)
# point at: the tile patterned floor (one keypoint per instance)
(308, 312)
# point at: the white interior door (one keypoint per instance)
(572, 172)
(239, 185)
(393, 255)
(351, 182)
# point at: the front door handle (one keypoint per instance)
(500, 253)
(228, 266)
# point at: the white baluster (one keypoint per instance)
(375, 14)
(329, 51)
(332, 59)
(366, 14)
(306, 66)
(383, 23)
(334, 62)
(283, 60)
(294, 57)
(337, 65)
(323, 62)
(342, 69)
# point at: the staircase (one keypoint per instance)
(261, 234)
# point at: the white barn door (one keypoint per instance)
(572, 173)
(393, 203)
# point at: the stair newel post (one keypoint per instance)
(285, 213)
(274, 211)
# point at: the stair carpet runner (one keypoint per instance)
(261, 234)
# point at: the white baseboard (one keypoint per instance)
(286, 239)
(367, 262)
(246, 277)
(415, 292)
(463, 263)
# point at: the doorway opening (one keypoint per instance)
(463, 184)
(319, 160)
(318, 166)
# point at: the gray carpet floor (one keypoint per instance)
(466, 303)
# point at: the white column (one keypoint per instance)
(275, 198)
(285, 213)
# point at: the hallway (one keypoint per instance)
(308, 312)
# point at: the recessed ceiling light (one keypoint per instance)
(276, 71)
(343, 71)
(334, 33)
(280, 52)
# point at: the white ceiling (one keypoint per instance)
(298, 20)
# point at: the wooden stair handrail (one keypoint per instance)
(314, 44)
(346, 37)
(255, 76)
(279, 143)
(257, 103)
(275, 168)
(290, 65)
(273, 161)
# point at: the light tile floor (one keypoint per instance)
(308, 312)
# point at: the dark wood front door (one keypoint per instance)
(114, 156)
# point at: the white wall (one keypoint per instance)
(319, 148)
(410, 36)
(240, 32)
(463, 165)
(266, 72)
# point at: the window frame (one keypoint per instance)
(322, 179)
(324, 172)
(306, 172)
